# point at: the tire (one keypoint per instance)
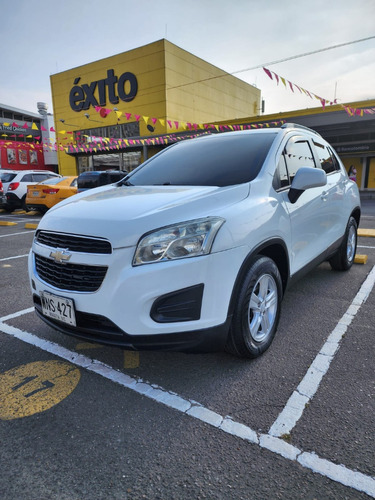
(344, 258)
(23, 204)
(257, 310)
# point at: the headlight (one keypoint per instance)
(187, 239)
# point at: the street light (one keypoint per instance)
(69, 124)
(120, 137)
(90, 119)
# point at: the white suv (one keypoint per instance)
(195, 248)
(15, 184)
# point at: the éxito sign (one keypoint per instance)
(82, 96)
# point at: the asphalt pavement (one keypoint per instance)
(82, 421)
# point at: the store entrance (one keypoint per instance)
(113, 161)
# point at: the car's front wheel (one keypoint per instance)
(344, 258)
(257, 309)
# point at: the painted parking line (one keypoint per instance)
(131, 358)
(365, 246)
(275, 444)
(15, 234)
(311, 461)
(307, 388)
(15, 257)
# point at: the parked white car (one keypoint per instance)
(195, 249)
(15, 184)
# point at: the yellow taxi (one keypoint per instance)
(46, 194)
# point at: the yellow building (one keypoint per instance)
(105, 110)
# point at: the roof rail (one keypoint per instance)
(296, 125)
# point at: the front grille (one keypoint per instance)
(73, 243)
(74, 277)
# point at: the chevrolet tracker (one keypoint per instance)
(195, 249)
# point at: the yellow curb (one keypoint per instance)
(131, 359)
(366, 232)
(87, 345)
(6, 223)
(31, 226)
(360, 259)
(20, 212)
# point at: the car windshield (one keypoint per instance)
(220, 160)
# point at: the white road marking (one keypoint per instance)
(16, 257)
(308, 386)
(364, 246)
(15, 234)
(311, 461)
(17, 314)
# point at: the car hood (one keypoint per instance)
(123, 214)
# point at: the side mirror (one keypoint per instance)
(306, 178)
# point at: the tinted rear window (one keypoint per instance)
(53, 180)
(90, 180)
(6, 177)
(220, 160)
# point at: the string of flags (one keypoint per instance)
(75, 141)
(84, 143)
(287, 84)
(108, 144)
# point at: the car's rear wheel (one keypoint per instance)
(344, 258)
(257, 310)
(23, 204)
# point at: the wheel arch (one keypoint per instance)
(356, 213)
(276, 250)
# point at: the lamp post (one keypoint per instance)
(119, 128)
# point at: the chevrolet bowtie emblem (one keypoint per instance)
(60, 255)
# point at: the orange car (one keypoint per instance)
(46, 194)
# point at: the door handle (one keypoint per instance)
(324, 195)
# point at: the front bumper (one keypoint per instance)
(131, 308)
(94, 328)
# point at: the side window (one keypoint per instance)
(281, 178)
(27, 178)
(336, 163)
(327, 162)
(40, 177)
(297, 154)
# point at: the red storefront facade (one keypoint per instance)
(26, 139)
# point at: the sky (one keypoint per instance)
(41, 38)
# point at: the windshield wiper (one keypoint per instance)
(125, 182)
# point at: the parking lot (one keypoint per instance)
(84, 421)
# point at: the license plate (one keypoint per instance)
(35, 193)
(60, 308)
